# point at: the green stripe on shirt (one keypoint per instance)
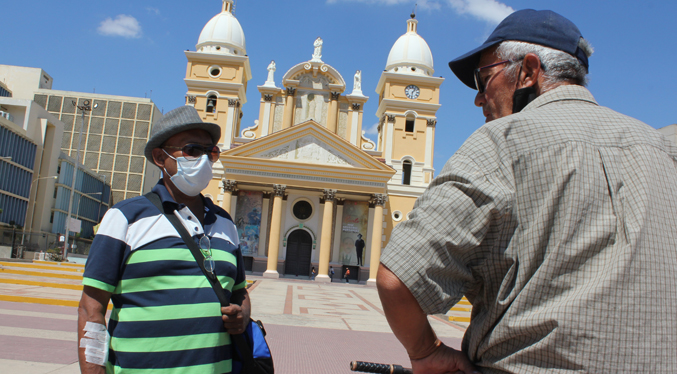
(166, 312)
(170, 343)
(175, 254)
(169, 282)
(97, 284)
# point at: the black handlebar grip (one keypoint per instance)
(370, 367)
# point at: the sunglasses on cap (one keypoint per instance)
(195, 151)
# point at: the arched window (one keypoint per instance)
(406, 172)
(211, 103)
(409, 124)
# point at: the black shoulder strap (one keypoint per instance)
(199, 258)
(240, 342)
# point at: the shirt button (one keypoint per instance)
(189, 217)
(196, 229)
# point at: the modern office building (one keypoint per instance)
(35, 175)
(90, 202)
(114, 132)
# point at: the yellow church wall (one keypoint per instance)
(402, 204)
(229, 72)
(407, 143)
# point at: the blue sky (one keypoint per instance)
(135, 48)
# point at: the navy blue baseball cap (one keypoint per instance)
(543, 27)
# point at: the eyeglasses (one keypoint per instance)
(195, 151)
(206, 248)
(478, 80)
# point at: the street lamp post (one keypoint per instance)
(85, 107)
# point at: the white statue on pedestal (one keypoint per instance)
(271, 74)
(357, 83)
(317, 54)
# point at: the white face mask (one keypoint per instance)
(192, 176)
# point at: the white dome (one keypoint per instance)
(410, 54)
(222, 34)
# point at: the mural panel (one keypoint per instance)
(354, 232)
(248, 220)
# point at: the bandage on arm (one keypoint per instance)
(93, 338)
(95, 343)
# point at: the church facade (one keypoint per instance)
(303, 185)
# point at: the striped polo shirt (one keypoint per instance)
(166, 317)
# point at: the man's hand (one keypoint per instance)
(444, 360)
(236, 315)
(233, 319)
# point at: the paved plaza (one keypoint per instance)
(312, 327)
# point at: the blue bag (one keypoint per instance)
(252, 354)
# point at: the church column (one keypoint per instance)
(338, 227)
(274, 242)
(263, 230)
(379, 201)
(229, 186)
(325, 238)
(231, 122)
(429, 144)
(355, 120)
(388, 138)
(332, 114)
(265, 126)
(289, 108)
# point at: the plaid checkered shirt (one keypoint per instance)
(559, 224)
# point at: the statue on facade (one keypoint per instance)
(271, 73)
(317, 54)
(357, 85)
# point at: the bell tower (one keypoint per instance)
(408, 102)
(217, 73)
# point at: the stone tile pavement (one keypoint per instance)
(312, 327)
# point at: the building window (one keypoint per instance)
(406, 172)
(302, 210)
(51, 218)
(55, 191)
(211, 103)
(409, 125)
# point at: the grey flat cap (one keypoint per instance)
(176, 121)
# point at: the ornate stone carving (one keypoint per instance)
(340, 200)
(229, 185)
(328, 194)
(291, 91)
(432, 122)
(234, 103)
(390, 117)
(379, 199)
(356, 106)
(268, 98)
(271, 74)
(191, 99)
(307, 149)
(279, 189)
(335, 95)
(357, 83)
(266, 194)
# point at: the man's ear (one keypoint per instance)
(159, 158)
(531, 71)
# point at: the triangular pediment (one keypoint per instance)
(308, 143)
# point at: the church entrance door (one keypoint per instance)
(299, 250)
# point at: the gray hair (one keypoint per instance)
(558, 66)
